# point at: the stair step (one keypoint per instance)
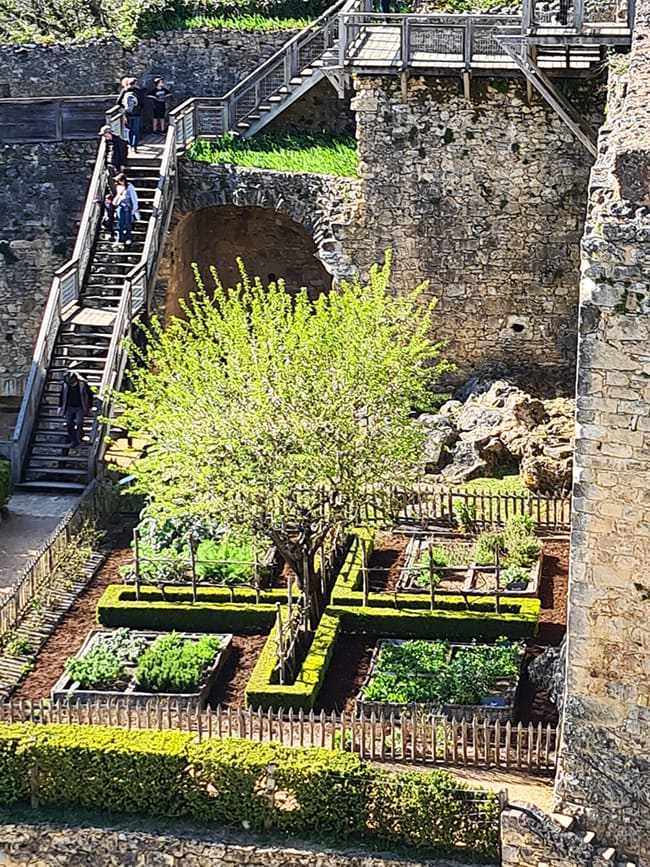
(68, 487)
(43, 473)
(278, 98)
(589, 837)
(608, 854)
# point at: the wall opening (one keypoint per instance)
(270, 244)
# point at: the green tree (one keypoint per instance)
(277, 414)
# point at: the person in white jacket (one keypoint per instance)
(125, 202)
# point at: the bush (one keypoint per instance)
(6, 482)
(486, 547)
(100, 668)
(175, 664)
(118, 607)
(263, 689)
(264, 786)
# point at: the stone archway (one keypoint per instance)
(270, 244)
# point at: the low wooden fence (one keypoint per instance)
(411, 738)
(95, 504)
(434, 503)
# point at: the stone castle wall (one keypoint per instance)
(193, 63)
(485, 200)
(605, 758)
(24, 845)
(41, 195)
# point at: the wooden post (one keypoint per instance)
(578, 14)
(192, 567)
(278, 615)
(364, 571)
(497, 587)
(136, 557)
(432, 580)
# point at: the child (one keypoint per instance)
(125, 203)
(160, 94)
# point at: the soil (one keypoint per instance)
(71, 632)
(352, 654)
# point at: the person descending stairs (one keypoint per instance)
(83, 340)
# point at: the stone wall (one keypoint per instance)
(530, 838)
(25, 845)
(485, 200)
(294, 225)
(41, 196)
(605, 757)
(193, 63)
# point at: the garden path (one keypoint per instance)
(31, 519)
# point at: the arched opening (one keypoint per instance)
(270, 244)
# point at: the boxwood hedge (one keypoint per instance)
(307, 792)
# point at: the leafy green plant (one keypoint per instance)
(486, 546)
(429, 672)
(228, 560)
(522, 546)
(465, 516)
(175, 664)
(18, 646)
(325, 155)
(6, 482)
(100, 668)
(515, 575)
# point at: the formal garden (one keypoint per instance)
(271, 567)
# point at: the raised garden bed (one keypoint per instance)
(118, 670)
(468, 577)
(459, 681)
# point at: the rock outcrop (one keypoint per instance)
(499, 423)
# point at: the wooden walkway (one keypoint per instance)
(445, 48)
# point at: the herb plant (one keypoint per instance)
(228, 560)
(175, 664)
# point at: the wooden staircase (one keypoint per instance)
(83, 341)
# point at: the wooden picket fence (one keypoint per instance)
(409, 738)
(433, 503)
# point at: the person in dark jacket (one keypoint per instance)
(159, 96)
(75, 403)
(116, 160)
(130, 101)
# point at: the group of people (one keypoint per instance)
(121, 205)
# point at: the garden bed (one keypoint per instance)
(136, 644)
(403, 672)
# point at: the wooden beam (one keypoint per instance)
(467, 91)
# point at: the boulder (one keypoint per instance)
(466, 463)
(441, 433)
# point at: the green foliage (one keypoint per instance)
(298, 152)
(257, 399)
(506, 484)
(118, 607)
(465, 516)
(99, 668)
(249, 21)
(175, 664)
(428, 672)
(227, 561)
(263, 689)
(297, 792)
(515, 575)
(486, 547)
(6, 482)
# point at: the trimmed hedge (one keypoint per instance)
(263, 690)
(306, 792)
(453, 625)
(148, 613)
(349, 577)
(6, 482)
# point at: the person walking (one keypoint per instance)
(125, 202)
(75, 402)
(160, 94)
(115, 162)
(130, 101)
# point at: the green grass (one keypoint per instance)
(510, 484)
(236, 22)
(320, 155)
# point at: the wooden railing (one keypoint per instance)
(408, 738)
(136, 294)
(52, 118)
(64, 292)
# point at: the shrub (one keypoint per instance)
(211, 613)
(6, 482)
(465, 516)
(264, 786)
(486, 546)
(175, 664)
(522, 546)
(99, 668)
